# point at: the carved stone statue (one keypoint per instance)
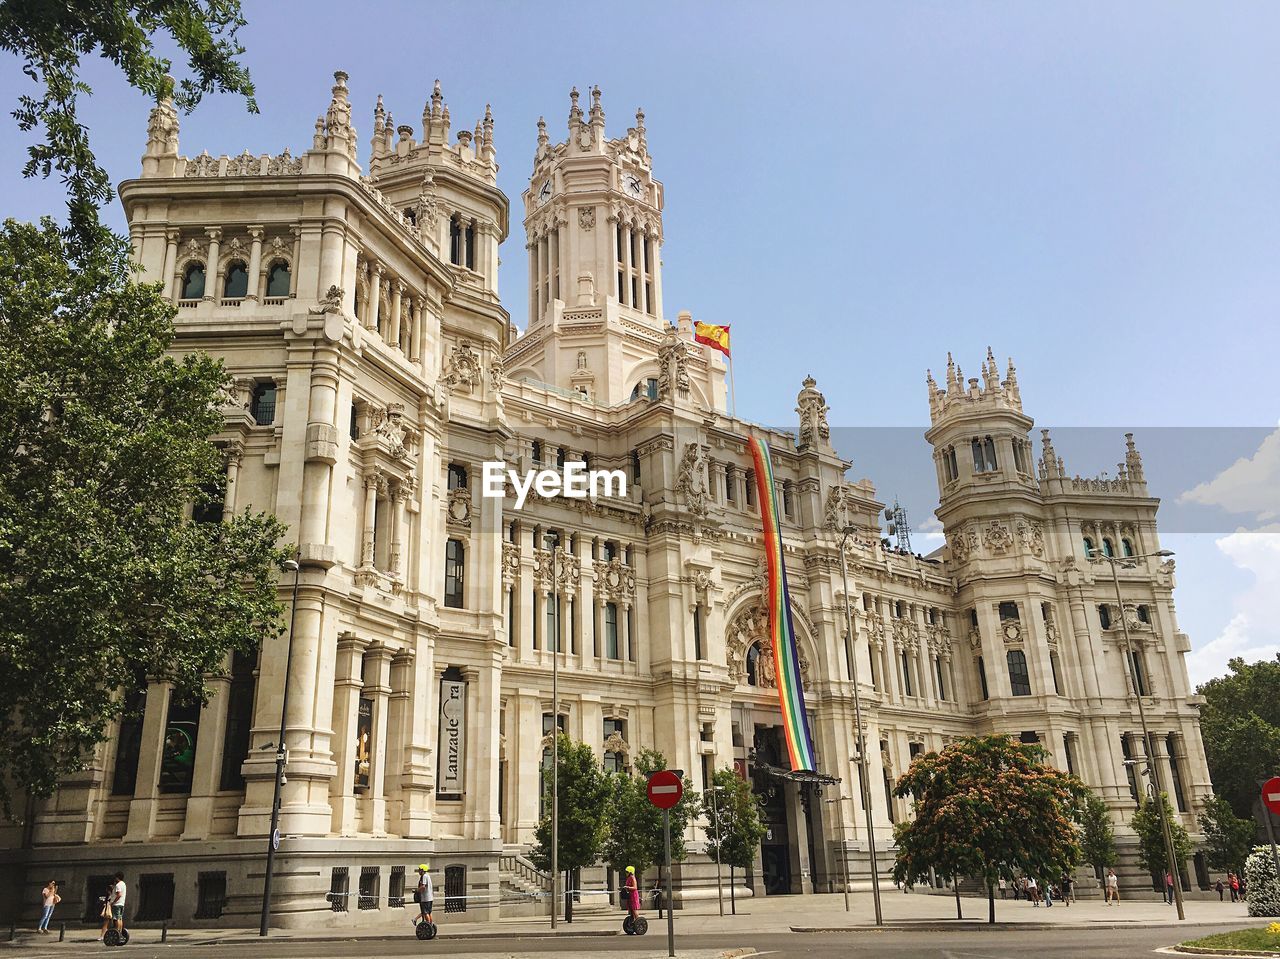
(812, 407)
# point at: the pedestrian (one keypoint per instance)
(1234, 882)
(1048, 894)
(1113, 887)
(1244, 889)
(1168, 888)
(1218, 886)
(49, 896)
(1033, 893)
(105, 899)
(1066, 889)
(1003, 890)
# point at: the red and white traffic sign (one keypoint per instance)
(665, 789)
(1271, 794)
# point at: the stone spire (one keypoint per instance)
(1133, 459)
(1051, 465)
(162, 134)
(543, 139)
(812, 407)
(640, 132)
(339, 133)
(953, 381)
(487, 151)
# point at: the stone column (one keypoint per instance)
(615, 257)
(170, 270)
(391, 336)
(146, 790)
(210, 741)
(234, 454)
(255, 263)
(399, 711)
(626, 265)
(644, 289)
(348, 684)
(377, 685)
(553, 263)
(531, 249)
(293, 265)
(656, 268)
(415, 336)
(398, 496)
(370, 514)
(211, 271)
(525, 768)
(544, 275)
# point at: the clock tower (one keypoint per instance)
(593, 221)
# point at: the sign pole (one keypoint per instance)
(715, 812)
(666, 843)
(1270, 803)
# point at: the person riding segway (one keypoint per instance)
(424, 896)
(635, 924)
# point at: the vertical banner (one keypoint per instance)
(795, 721)
(451, 745)
(364, 743)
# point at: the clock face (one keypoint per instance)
(544, 194)
(632, 184)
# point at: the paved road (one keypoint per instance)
(961, 944)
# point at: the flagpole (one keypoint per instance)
(733, 390)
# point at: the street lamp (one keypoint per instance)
(553, 544)
(857, 713)
(1098, 556)
(291, 566)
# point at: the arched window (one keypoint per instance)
(279, 278)
(990, 447)
(454, 566)
(753, 659)
(1107, 548)
(1126, 546)
(1139, 678)
(1019, 678)
(236, 284)
(1088, 546)
(978, 464)
(262, 404)
(193, 282)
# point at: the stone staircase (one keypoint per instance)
(526, 889)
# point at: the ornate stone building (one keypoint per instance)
(376, 370)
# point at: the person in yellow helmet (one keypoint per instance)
(632, 890)
(424, 895)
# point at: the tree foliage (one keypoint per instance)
(104, 444)
(987, 807)
(1228, 839)
(1097, 834)
(1240, 724)
(51, 39)
(736, 811)
(635, 825)
(583, 790)
(1146, 824)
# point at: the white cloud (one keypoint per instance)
(1253, 632)
(1249, 485)
(929, 536)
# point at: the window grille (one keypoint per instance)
(455, 889)
(338, 881)
(368, 887)
(395, 888)
(155, 898)
(211, 895)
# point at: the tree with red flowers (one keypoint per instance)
(988, 807)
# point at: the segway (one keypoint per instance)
(116, 937)
(425, 929)
(635, 927)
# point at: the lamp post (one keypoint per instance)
(1129, 561)
(290, 565)
(553, 544)
(715, 816)
(857, 713)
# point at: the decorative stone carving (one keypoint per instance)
(616, 744)
(875, 628)
(427, 209)
(203, 165)
(459, 508)
(587, 217)
(751, 628)
(975, 637)
(963, 542)
(510, 563)
(939, 640)
(906, 634)
(388, 423)
(673, 373)
(246, 164)
(615, 582)
(812, 407)
(1032, 538)
(837, 510)
(566, 577)
(1011, 632)
(162, 124)
(331, 303)
(691, 478)
(463, 371)
(285, 164)
(997, 538)
(496, 375)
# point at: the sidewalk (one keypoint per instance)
(811, 913)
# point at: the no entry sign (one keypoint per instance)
(665, 789)
(1271, 794)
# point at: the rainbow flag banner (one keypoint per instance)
(795, 720)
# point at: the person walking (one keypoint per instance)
(1113, 887)
(1218, 886)
(424, 895)
(1048, 895)
(105, 899)
(1168, 888)
(1033, 892)
(1003, 889)
(1066, 888)
(1234, 882)
(50, 898)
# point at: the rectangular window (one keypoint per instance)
(730, 481)
(631, 632)
(697, 633)
(129, 740)
(1019, 678)
(1009, 611)
(178, 759)
(1129, 767)
(906, 675)
(751, 488)
(338, 880)
(511, 614)
(454, 570)
(368, 887)
(1066, 752)
(1139, 677)
(455, 889)
(211, 895)
(155, 898)
(615, 760)
(982, 679)
(395, 888)
(942, 683)
(1104, 616)
(555, 614)
(1053, 666)
(1171, 748)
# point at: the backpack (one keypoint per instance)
(417, 894)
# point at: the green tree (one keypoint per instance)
(987, 806)
(1240, 724)
(738, 814)
(1228, 838)
(1097, 835)
(104, 446)
(583, 790)
(51, 38)
(1146, 824)
(635, 825)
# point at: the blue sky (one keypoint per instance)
(1088, 187)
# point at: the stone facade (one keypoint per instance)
(375, 370)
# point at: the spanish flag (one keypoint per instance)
(716, 337)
